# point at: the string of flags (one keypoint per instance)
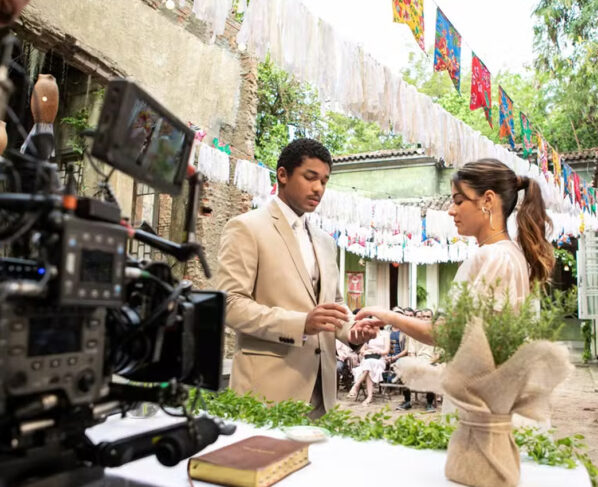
(359, 85)
(447, 56)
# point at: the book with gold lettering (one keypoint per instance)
(257, 461)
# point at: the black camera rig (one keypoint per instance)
(76, 309)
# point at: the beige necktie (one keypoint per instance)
(307, 251)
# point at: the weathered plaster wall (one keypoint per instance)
(170, 54)
(196, 81)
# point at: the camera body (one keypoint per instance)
(47, 348)
(76, 309)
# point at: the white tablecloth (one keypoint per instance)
(337, 461)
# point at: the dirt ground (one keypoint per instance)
(574, 406)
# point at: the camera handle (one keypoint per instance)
(196, 183)
(170, 444)
(181, 252)
(53, 466)
(190, 248)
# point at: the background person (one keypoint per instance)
(371, 366)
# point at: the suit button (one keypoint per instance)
(318, 351)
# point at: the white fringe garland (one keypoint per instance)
(214, 12)
(253, 179)
(213, 163)
(383, 229)
(359, 85)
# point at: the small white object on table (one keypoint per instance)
(337, 461)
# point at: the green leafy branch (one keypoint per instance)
(406, 430)
(545, 450)
(568, 260)
(79, 122)
(507, 326)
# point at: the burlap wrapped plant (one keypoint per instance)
(482, 451)
(500, 363)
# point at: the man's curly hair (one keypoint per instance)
(297, 151)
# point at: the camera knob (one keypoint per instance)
(86, 381)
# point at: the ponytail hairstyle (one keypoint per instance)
(532, 220)
(532, 223)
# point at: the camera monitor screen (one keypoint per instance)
(140, 137)
(153, 142)
(54, 335)
(96, 266)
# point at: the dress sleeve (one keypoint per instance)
(496, 269)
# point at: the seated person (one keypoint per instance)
(425, 353)
(344, 354)
(397, 350)
(372, 365)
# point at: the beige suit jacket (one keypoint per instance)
(269, 295)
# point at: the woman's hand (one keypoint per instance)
(382, 315)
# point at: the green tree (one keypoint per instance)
(284, 104)
(566, 48)
(350, 135)
(288, 109)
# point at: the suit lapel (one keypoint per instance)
(321, 251)
(290, 240)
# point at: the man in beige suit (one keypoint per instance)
(281, 277)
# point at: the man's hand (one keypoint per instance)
(364, 330)
(325, 317)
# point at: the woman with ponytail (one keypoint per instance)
(484, 194)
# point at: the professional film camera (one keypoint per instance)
(75, 309)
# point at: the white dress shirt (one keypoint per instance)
(299, 226)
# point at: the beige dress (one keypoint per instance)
(501, 265)
(375, 366)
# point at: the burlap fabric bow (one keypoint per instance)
(482, 451)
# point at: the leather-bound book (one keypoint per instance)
(258, 461)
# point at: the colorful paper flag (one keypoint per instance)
(556, 164)
(585, 196)
(526, 135)
(447, 49)
(506, 122)
(411, 12)
(542, 154)
(576, 189)
(481, 94)
(567, 181)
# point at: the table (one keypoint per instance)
(338, 461)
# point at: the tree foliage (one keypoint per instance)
(288, 109)
(566, 48)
